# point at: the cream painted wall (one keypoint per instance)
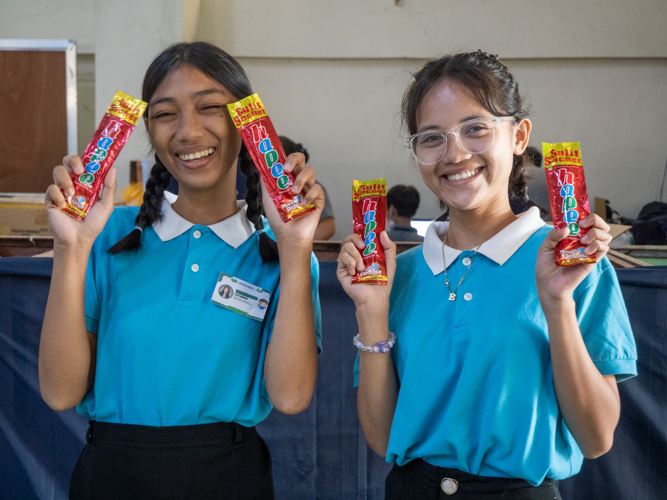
(123, 52)
(332, 73)
(423, 28)
(59, 19)
(346, 114)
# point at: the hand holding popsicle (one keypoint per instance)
(68, 230)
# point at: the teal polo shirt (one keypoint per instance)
(476, 383)
(166, 354)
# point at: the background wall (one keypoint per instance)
(346, 112)
(332, 73)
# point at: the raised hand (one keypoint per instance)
(302, 230)
(350, 262)
(68, 230)
(556, 283)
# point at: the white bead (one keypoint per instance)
(449, 486)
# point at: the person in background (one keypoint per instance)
(327, 226)
(538, 193)
(402, 204)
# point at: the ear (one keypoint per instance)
(391, 212)
(521, 136)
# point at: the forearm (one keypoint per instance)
(290, 369)
(65, 349)
(588, 400)
(378, 386)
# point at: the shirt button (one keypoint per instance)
(468, 296)
(466, 261)
(449, 486)
(196, 234)
(194, 268)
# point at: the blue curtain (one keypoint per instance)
(320, 453)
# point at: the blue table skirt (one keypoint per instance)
(320, 453)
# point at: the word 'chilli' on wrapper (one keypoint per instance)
(261, 139)
(569, 199)
(369, 213)
(100, 154)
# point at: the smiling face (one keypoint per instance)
(462, 180)
(192, 132)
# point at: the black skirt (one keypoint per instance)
(207, 461)
(419, 480)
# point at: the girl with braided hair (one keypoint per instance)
(173, 375)
(504, 368)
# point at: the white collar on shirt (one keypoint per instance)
(499, 248)
(233, 230)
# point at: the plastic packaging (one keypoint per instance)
(569, 199)
(369, 213)
(111, 135)
(261, 139)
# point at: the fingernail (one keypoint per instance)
(287, 167)
(63, 205)
(295, 189)
(70, 192)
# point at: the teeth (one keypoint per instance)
(196, 156)
(463, 175)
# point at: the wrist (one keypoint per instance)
(373, 322)
(71, 247)
(374, 310)
(557, 306)
(294, 246)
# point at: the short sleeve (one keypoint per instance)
(604, 323)
(317, 309)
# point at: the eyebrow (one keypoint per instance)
(201, 93)
(435, 127)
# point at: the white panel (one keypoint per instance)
(72, 100)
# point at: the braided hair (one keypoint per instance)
(223, 68)
(489, 82)
(268, 248)
(150, 210)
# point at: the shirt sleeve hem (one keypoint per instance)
(622, 368)
(92, 325)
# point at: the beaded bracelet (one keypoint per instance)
(381, 347)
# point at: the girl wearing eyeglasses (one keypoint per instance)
(504, 371)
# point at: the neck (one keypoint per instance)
(468, 229)
(401, 221)
(207, 206)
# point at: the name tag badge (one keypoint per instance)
(241, 297)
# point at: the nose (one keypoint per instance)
(189, 127)
(455, 152)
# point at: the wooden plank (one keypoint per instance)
(639, 251)
(624, 260)
(33, 120)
